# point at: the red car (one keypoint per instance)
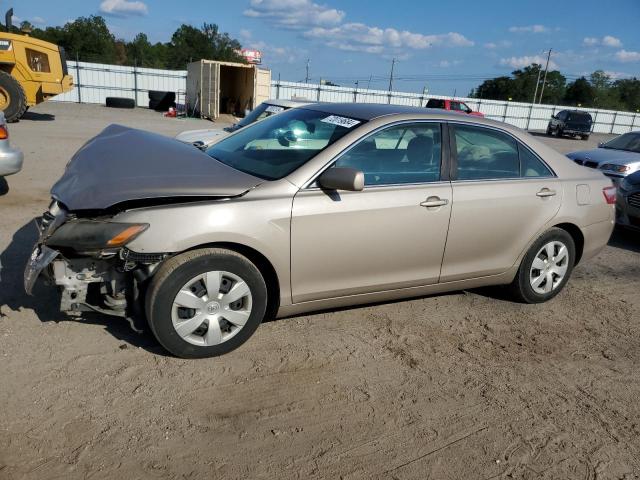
(453, 105)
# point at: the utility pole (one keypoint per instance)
(393, 63)
(306, 79)
(546, 69)
(535, 92)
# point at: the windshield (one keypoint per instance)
(278, 145)
(629, 142)
(263, 110)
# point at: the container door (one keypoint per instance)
(262, 86)
(210, 90)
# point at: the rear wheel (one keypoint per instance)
(13, 101)
(206, 302)
(546, 267)
(585, 137)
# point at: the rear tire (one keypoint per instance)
(585, 137)
(15, 102)
(209, 325)
(543, 275)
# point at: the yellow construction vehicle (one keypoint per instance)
(31, 71)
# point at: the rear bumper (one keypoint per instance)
(596, 237)
(10, 159)
(571, 131)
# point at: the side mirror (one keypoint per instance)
(342, 178)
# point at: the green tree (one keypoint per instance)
(604, 95)
(90, 40)
(190, 44)
(499, 88)
(628, 92)
(579, 92)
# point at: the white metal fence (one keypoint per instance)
(94, 82)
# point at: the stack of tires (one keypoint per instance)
(161, 101)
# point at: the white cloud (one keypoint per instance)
(609, 41)
(364, 38)
(38, 20)
(245, 34)
(325, 24)
(448, 63)
(123, 8)
(626, 56)
(495, 45)
(616, 75)
(529, 28)
(295, 14)
(526, 60)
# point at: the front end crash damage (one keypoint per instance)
(89, 262)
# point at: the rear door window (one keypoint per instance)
(486, 154)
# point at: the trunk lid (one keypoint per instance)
(123, 164)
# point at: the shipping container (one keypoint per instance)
(216, 87)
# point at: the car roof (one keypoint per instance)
(288, 103)
(369, 111)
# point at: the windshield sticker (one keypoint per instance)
(274, 109)
(341, 121)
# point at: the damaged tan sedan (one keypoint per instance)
(318, 207)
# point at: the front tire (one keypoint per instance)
(205, 302)
(13, 101)
(546, 267)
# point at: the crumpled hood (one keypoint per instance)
(122, 164)
(606, 155)
(204, 136)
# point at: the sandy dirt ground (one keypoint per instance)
(461, 386)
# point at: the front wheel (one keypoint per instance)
(205, 302)
(546, 267)
(13, 101)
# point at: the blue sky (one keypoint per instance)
(445, 46)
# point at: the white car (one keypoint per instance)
(204, 138)
(10, 158)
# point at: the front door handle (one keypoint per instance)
(434, 202)
(545, 192)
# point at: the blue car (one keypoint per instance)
(617, 158)
(628, 202)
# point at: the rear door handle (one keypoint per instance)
(545, 192)
(434, 202)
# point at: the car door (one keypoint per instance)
(502, 195)
(389, 235)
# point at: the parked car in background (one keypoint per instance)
(10, 158)
(453, 106)
(616, 158)
(321, 206)
(204, 138)
(574, 123)
(628, 202)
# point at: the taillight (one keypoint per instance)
(4, 133)
(609, 194)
